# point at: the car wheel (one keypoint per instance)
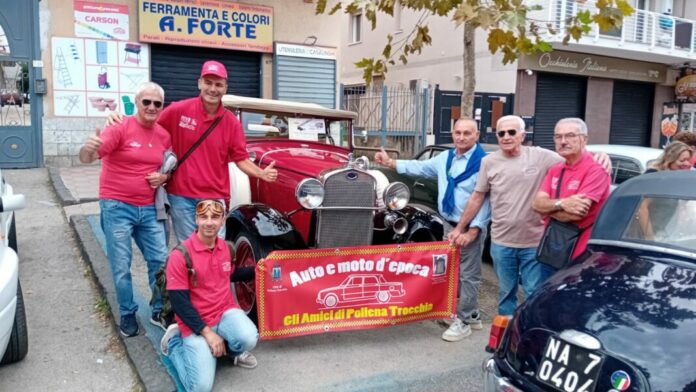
(383, 296)
(250, 250)
(12, 236)
(19, 341)
(331, 300)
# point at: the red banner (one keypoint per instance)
(312, 291)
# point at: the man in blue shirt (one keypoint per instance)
(456, 171)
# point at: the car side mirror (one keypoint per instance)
(12, 203)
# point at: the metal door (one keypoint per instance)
(20, 109)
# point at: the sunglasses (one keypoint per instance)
(215, 206)
(148, 102)
(511, 132)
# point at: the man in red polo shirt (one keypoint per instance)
(131, 154)
(583, 182)
(209, 323)
(204, 174)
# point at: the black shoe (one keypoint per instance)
(155, 320)
(129, 325)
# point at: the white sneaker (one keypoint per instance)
(445, 322)
(457, 331)
(246, 360)
(475, 322)
(172, 330)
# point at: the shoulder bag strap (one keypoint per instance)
(199, 141)
(560, 182)
(189, 264)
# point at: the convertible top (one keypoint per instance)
(298, 109)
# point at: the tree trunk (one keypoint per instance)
(469, 74)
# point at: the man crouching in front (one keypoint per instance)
(209, 323)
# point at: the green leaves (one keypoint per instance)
(513, 27)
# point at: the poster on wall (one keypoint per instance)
(94, 77)
(101, 20)
(670, 122)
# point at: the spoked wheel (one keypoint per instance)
(249, 251)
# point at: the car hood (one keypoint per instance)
(641, 307)
(305, 160)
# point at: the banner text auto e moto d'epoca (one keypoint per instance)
(302, 292)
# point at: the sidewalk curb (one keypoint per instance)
(66, 198)
(141, 353)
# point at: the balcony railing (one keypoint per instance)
(649, 30)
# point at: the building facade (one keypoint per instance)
(622, 82)
(89, 57)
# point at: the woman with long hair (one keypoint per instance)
(677, 156)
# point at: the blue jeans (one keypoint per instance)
(183, 213)
(512, 265)
(120, 222)
(192, 358)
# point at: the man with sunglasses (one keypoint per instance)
(456, 172)
(131, 154)
(204, 174)
(512, 176)
(209, 323)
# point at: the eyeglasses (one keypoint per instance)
(511, 132)
(215, 206)
(148, 102)
(566, 136)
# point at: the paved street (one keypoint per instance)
(410, 357)
(72, 346)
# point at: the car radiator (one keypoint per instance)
(346, 227)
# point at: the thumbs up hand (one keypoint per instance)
(94, 142)
(90, 151)
(270, 173)
(383, 159)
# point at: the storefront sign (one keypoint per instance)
(685, 90)
(597, 66)
(315, 52)
(327, 290)
(101, 20)
(209, 23)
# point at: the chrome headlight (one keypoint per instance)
(396, 196)
(310, 193)
(362, 163)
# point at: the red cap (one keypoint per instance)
(214, 68)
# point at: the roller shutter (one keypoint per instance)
(631, 113)
(303, 79)
(557, 96)
(177, 69)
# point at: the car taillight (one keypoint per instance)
(500, 322)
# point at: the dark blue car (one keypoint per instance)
(623, 316)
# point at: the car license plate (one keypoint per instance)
(568, 368)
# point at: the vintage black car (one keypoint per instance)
(623, 316)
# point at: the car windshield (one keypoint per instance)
(266, 125)
(665, 221)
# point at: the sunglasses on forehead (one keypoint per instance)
(511, 132)
(215, 206)
(148, 102)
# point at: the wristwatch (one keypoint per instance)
(557, 205)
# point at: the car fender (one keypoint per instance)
(9, 275)
(422, 222)
(264, 222)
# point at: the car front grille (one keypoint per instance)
(346, 227)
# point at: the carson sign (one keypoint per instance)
(207, 23)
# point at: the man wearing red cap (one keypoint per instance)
(204, 174)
